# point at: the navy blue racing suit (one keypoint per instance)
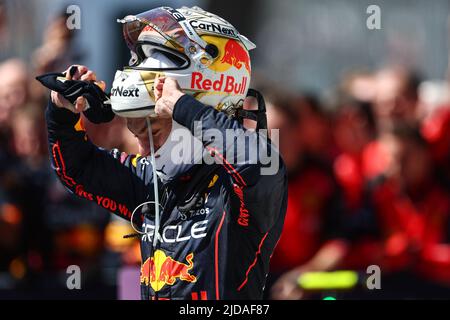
(219, 224)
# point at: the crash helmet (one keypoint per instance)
(207, 56)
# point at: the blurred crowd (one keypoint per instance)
(369, 183)
(44, 228)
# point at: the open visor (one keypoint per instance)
(163, 21)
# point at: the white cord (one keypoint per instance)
(155, 182)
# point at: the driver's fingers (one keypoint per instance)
(80, 104)
(159, 83)
(172, 83)
(89, 76)
(101, 84)
(75, 72)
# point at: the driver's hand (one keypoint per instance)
(167, 92)
(82, 73)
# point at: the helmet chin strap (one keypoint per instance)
(256, 115)
(155, 182)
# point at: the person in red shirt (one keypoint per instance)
(402, 225)
(314, 199)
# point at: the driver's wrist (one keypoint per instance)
(54, 98)
(174, 97)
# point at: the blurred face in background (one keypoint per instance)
(54, 53)
(13, 88)
(313, 128)
(352, 131)
(289, 143)
(414, 163)
(396, 98)
(27, 135)
(360, 86)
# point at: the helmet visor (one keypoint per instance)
(156, 20)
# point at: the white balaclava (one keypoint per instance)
(178, 154)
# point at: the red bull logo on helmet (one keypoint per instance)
(231, 54)
(236, 55)
(161, 270)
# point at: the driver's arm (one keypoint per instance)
(115, 181)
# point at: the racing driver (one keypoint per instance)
(207, 228)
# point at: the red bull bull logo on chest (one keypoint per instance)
(161, 270)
